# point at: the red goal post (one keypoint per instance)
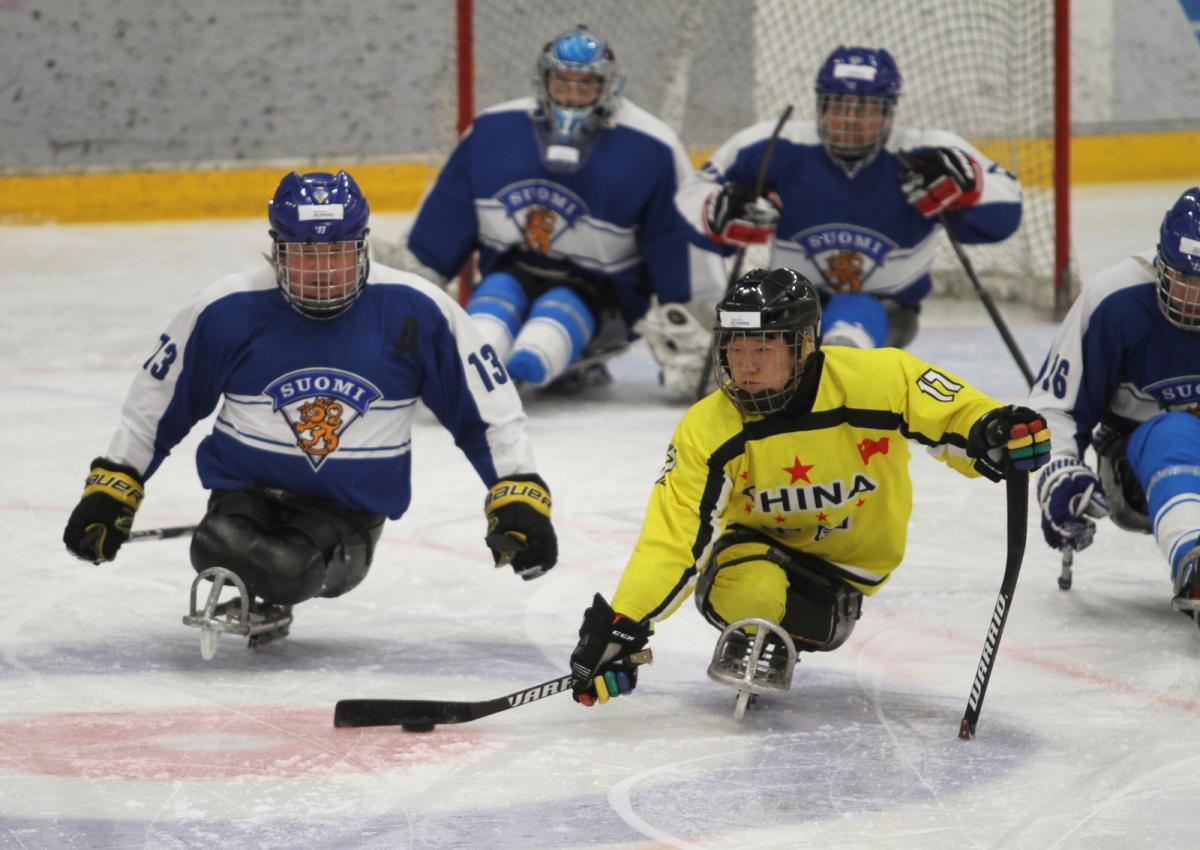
(993, 71)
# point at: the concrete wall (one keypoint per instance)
(136, 82)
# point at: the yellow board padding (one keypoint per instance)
(163, 195)
(166, 195)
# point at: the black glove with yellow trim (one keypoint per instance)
(604, 663)
(519, 529)
(102, 520)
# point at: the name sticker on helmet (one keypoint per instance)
(320, 212)
(843, 70)
(740, 319)
(1188, 245)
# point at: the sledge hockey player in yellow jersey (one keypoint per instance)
(785, 497)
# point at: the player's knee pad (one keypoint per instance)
(280, 571)
(780, 585)
(855, 319)
(498, 306)
(560, 324)
(1164, 453)
(284, 548)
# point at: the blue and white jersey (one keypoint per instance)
(1116, 359)
(613, 219)
(322, 408)
(852, 234)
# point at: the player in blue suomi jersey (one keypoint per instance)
(568, 198)
(853, 202)
(318, 360)
(1123, 377)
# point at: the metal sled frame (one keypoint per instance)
(216, 617)
(750, 681)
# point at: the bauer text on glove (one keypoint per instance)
(519, 530)
(102, 520)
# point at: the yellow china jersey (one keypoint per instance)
(827, 476)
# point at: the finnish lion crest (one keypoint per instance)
(319, 405)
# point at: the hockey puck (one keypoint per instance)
(417, 727)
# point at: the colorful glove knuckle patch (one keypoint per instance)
(1029, 444)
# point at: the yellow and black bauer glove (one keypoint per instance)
(102, 520)
(519, 530)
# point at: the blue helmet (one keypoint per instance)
(1178, 262)
(857, 89)
(580, 51)
(319, 229)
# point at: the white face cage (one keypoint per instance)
(1178, 296)
(853, 128)
(762, 375)
(320, 279)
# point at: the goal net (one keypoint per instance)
(983, 69)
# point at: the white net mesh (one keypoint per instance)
(979, 68)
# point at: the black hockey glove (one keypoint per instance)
(1070, 496)
(735, 216)
(1009, 441)
(519, 529)
(102, 520)
(940, 179)
(601, 663)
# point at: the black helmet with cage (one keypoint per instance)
(773, 318)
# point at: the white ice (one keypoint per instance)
(115, 734)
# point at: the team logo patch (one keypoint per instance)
(318, 406)
(542, 210)
(845, 254)
(668, 465)
(1178, 393)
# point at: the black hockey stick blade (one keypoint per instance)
(421, 713)
(1018, 520)
(161, 533)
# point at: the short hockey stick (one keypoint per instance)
(1077, 505)
(1018, 506)
(735, 272)
(161, 533)
(421, 715)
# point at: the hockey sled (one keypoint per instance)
(753, 663)
(240, 615)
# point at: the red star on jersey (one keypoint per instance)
(860, 503)
(798, 471)
(822, 517)
(780, 518)
(748, 509)
(745, 475)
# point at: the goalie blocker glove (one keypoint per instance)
(940, 179)
(1009, 441)
(734, 215)
(519, 529)
(1068, 494)
(102, 520)
(601, 664)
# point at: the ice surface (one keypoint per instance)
(115, 734)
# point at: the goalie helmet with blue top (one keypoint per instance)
(578, 87)
(857, 89)
(1178, 262)
(319, 233)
